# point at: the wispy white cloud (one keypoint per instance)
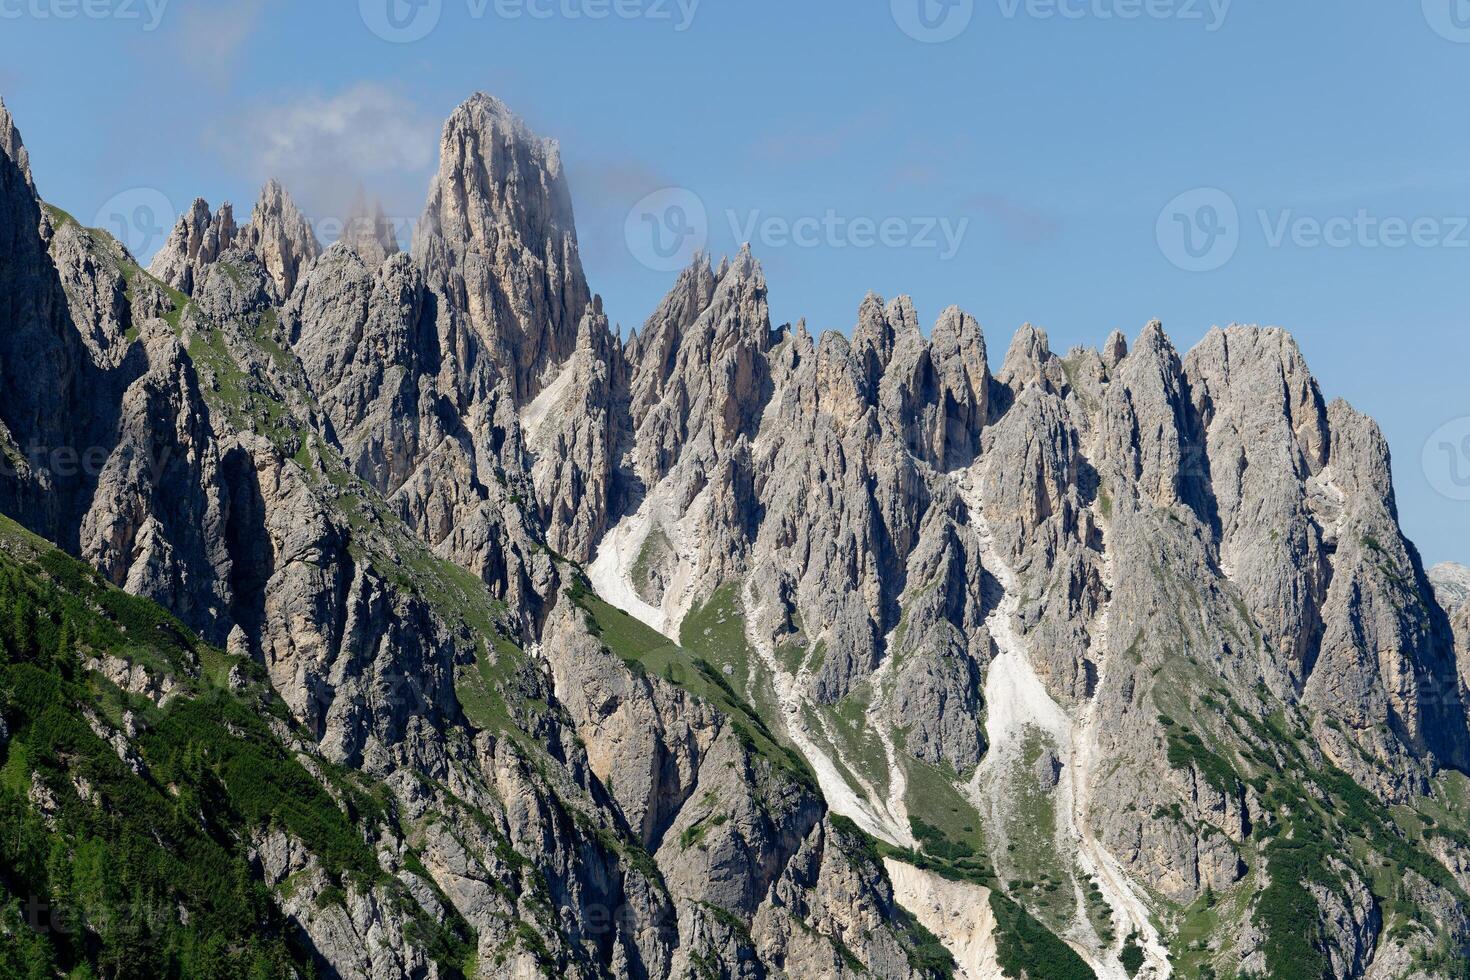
(328, 149)
(366, 129)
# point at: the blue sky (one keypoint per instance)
(1314, 153)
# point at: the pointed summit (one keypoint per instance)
(873, 336)
(1029, 361)
(497, 242)
(281, 236)
(652, 351)
(11, 145)
(1153, 340)
(198, 238)
(903, 316)
(1114, 349)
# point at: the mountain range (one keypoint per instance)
(371, 613)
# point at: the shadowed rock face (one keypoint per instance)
(1106, 621)
(37, 351)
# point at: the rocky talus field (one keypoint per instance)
(379, 614)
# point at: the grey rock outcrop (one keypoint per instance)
(11, 145)
(198, 238)
(498, 248)
(281, 237)
(277, 233)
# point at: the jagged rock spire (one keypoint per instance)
(11, 145)
(498, 244)
(278, 234)
(653, 350)
(1030, 361)
(281, 236)
(199, 237)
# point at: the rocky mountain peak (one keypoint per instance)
(498, 243)
(198, 239)
(1114, 349)
(653, 351)
(1154, 353)
(881, 329)
(1030, 361)
(281, 236)
(39, 347)
(11, 145)
(1086, 643)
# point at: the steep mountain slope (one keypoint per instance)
(164, 816)
(220, 487)
(994, 611)
(723, 651)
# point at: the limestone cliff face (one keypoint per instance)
(281, 236)
(1129, 530)
(661, 655)
(41, 355)
(499, 250)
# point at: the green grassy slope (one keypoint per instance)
(130, 860)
